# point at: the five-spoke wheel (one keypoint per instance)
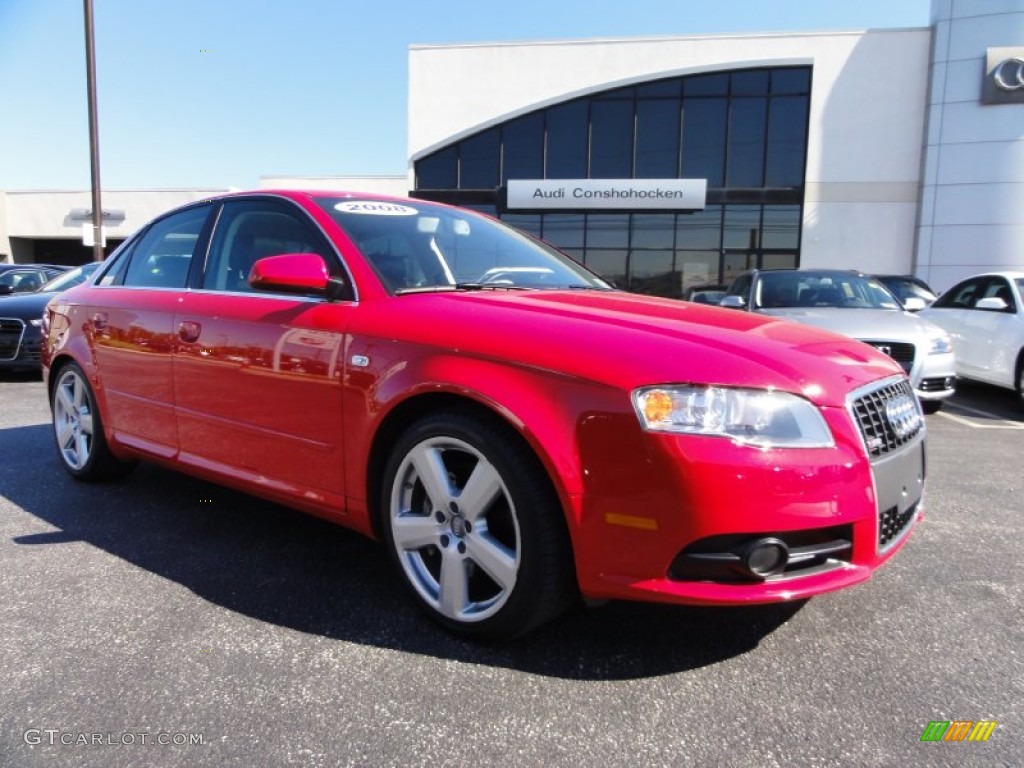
(454, 529)
(474, 527)
(73, 422)
(78, 429)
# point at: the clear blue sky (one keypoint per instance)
(219, 92)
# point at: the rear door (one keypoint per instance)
(130, 319)
(258, 375)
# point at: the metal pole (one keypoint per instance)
(94, 138)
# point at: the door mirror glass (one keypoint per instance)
(992, 303)
(733, 302)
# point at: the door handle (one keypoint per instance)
(189, 330)
(99, 321)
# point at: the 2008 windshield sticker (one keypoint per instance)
(375, 208)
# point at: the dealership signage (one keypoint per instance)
(620, 194)
(1004, 76)
(109, 215)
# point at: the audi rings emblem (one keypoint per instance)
(1009, 75)
(903, 416)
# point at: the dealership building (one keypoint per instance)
(669, 162)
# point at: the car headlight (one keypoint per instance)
(36, 322)
(940, 345)
(758, 417)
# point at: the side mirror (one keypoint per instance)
(6, 290)
(992, 304)
(914, 304)
(733, 302)
(290, 273)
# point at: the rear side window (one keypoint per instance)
(163, 255)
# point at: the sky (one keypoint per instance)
(217, 93)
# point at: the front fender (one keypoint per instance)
(549, 410)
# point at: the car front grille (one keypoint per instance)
(891, 523)
(888, 417)
(11, 332)
(900, 351)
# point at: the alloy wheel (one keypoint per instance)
(73, 421)
(455, 530)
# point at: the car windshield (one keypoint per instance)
(70, 279)
(415, 246)
(822, 289)
(904, 289)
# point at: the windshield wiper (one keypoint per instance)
(464, 287)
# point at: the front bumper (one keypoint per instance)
(934, 378)
(670, 523)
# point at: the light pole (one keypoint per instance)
(94, 139)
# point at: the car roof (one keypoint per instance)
(803, 271)
(9, 267)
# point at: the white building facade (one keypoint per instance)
(971, 219)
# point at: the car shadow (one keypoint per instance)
(985, 402)
(283, 567)
(20, 375)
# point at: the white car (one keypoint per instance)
(856, 305)
(984, 315)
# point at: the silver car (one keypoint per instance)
(858, 306)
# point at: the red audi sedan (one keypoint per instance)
(514, 430)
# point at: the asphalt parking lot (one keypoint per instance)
(165, 621)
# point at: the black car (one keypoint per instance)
(908, 286)
(21, 317)
(27, 278)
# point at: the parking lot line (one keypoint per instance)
(1000, 422)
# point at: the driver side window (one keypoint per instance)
(740, 286)
(962, 296)
(251, 230)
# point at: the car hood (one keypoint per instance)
(627, 340)
(869, 324)
(25, 306)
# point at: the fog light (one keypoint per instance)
(766, 557)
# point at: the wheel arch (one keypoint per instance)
(57, 365)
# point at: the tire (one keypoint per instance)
(931, 406)
(78, 429)
(474, 528)
(1020, 380)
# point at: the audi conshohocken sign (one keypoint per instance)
(1004, 76)
(617, 194)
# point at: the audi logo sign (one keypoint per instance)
(1009, 75)
(1004, 76)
